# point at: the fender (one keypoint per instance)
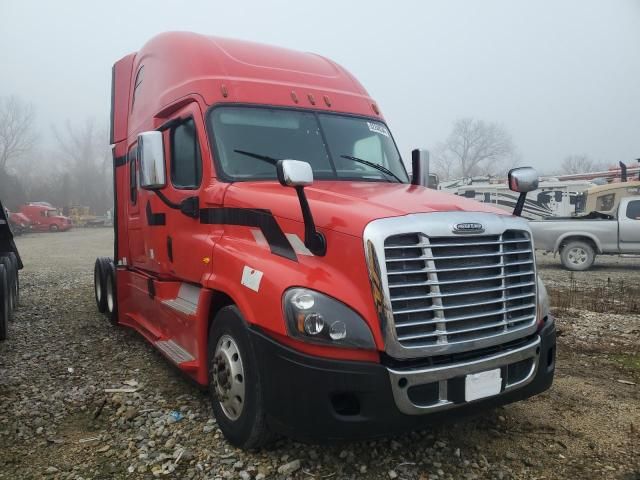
(578, 234)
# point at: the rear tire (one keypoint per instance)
(235, 382)
(99, 282)
(111, 294)
(577, 256)
(4, 302)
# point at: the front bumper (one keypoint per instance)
(311, 398)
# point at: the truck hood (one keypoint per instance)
(347, 207)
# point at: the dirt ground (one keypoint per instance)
(56, 421)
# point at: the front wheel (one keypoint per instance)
(577, 255)
(235, 383)
(5, 294)
(54, 228)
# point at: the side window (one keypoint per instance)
(633, 210)
(604, 203)
(137, 83)
(133, 175)
(186, 164)
(470, 194)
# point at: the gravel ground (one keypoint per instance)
(57, 421)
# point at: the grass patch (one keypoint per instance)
(628, 361)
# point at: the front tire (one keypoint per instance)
(577, 256)
(235, 382)
(54, 228)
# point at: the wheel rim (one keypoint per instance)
(228, 377)
(577, 256)
(110, 299)
(98, 286)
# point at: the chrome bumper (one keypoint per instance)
(403, 380)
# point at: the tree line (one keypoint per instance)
(74, 171)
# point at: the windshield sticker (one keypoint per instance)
(381, 129)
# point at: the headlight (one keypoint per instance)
(317, 318)
(544, 306)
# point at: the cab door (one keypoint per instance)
(136, 246)
(629, 226)
(182, 247)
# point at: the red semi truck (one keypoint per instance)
(45, 218)
(270, 243)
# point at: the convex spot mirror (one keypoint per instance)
(295, 173)
(151, 158)
(523, 179)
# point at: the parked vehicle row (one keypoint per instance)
(10, 265)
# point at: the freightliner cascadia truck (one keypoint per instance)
(271, 244)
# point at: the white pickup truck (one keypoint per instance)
(580, 239)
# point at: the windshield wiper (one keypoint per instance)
(373, 165)
(264, 158)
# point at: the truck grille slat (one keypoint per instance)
(463, 280)
(432, 270)
(456, 257)
(449, 290)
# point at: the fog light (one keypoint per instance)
(303, 301)
(338, 330)
(313, 323)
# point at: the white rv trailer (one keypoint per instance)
(553, 198)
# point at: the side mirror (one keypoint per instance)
(297, 174)
(523, 180)
(420, 167)
(151, 158)
(294, 173)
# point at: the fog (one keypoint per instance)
(561, 77)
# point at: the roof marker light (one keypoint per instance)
(294, 97)
(327, 100)
(311, 98)
(223, 88)
(375, 108)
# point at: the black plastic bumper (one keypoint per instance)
(311, 398)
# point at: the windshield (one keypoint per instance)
(337, 147)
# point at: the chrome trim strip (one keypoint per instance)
(441, 373)
(434, 225)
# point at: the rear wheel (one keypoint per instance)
(577, 255)
(4, 302)
(100, 269)
(235, 382)
(111, 297)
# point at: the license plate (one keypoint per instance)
(481, 385)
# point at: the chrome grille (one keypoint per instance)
(455, 290)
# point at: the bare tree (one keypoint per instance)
(573, 164)
(17, 135)
(85, 151)
(474, 147)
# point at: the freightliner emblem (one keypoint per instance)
(468, 228)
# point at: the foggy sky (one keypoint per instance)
(562, 76)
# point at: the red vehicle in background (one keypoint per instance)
(45, 218)
(271, 244)
(19, 223)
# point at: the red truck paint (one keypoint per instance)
(45, 218)
(19, 222)
(161, 253)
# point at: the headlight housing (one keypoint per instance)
(544, 305)
(314, 317)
